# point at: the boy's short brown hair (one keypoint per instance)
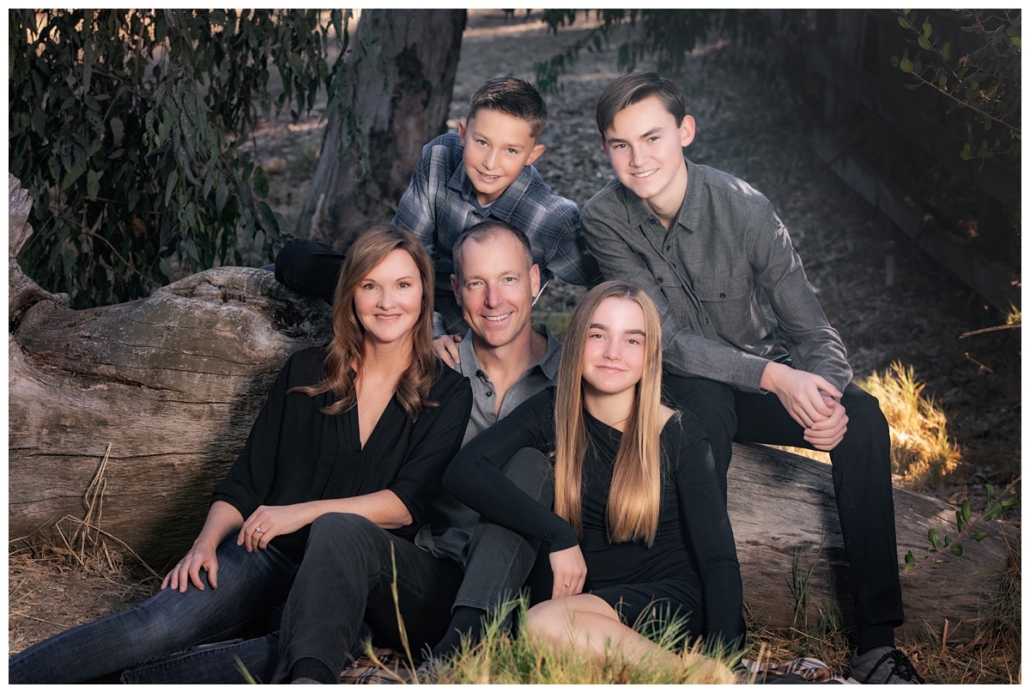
(513, 96)
(630, 89)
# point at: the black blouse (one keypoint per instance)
(694, 538)
(296, 454)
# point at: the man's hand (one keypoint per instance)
(826, 434)
(570, 572)
(800, 392)
(447, 349)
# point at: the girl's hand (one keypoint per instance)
(199, 558)
(570, 572)
(269, 521)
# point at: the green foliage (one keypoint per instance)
(985, 82)
(997, 505)
(127, 127)
(668, 36)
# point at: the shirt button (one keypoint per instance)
(722, 295)
(489, 393)
(652, 220)
(659, 280)
(668, 248)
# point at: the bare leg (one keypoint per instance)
(586, 623)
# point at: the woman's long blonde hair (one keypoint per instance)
(635, 494)
(346, 351)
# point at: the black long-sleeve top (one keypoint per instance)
(296, 454)
(694, 536)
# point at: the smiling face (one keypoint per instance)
(497, 147)
(613, 355)
(496, 287)
(388, 300)
(645, 146)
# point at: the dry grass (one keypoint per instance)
(922, 454)
(500, 658)
(993, 656)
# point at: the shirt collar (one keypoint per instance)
(688, 215)
(503, 207)
(548, 363)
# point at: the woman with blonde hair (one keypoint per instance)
(353, 438)
(639, 532)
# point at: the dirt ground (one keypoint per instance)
(756, 130)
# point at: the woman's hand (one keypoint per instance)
(269, 521)
(570, 572)
(200, 557)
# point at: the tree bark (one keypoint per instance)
(415, 54)
(174, 382)
(784, 518)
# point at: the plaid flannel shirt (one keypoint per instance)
(440, 203)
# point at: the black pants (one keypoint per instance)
(861, 477)
(346, 578)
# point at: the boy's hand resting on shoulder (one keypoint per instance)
(810, 400)
(446, 346)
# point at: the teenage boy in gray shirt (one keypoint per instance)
(706, 246)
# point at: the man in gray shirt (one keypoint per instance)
(707, 248)
(507, 361)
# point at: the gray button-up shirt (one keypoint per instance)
(707, 275)
(456, 518)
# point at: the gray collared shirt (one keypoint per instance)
(484, 394)
(457, 519)
(708, 274)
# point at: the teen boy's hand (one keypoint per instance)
(800, 392)
(446, 346)
(826, 434)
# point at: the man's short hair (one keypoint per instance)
(484, 230)
(633, 88)
(513, 96)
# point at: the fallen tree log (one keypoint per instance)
(174, 381)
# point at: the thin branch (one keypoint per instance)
(991, 329)
(964, 103)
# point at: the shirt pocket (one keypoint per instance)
(729, 303)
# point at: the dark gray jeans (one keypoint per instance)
(498, 560)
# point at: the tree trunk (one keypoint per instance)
(415, 54)
(174, 382)
(785, 521)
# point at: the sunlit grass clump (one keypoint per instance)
(501, 658)
(921, 452)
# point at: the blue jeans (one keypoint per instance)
(249, 585)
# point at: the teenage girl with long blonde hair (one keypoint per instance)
(639, 531)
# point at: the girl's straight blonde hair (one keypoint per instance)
(346, 351)
(635, 494)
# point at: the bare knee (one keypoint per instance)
(548, 621)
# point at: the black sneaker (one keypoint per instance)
(884, 665)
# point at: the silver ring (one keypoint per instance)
(179, 564)
(259, 530)
(567, 584)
